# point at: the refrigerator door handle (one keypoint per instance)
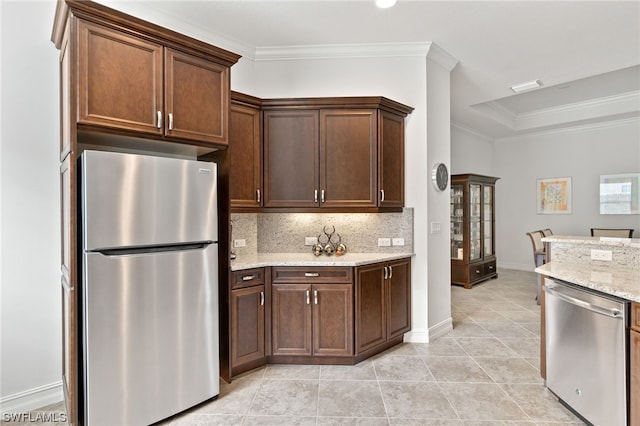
(127, 251)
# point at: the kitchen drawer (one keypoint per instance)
(301, 274)
(490, 268)
(247, 278)
(635, 316)
(476, 272)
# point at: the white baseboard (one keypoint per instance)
(417, 336)
(32, 399)
(429, 335)
(440, 329)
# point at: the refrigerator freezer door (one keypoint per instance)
(150, 327)
(137, 200)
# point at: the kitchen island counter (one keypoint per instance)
(261, 260)
(623, 283)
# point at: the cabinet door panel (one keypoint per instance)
(371, 329)
(291, 319)
(291, 167)
(391, 160)
(399, 298)
(245, 156)
(348, 157)
(634, 347)
(247, 325)
(197, 97)
(332, 320)
(120, 80)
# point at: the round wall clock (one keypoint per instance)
(440, 176)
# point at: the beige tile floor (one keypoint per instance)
(484, 372)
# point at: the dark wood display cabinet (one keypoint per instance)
(473, 249)
(336, 154)
(634, 363)
(127, 84)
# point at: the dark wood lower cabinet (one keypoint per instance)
(383, 304)
(312, 318)
(318, 315)
(634, 363)
(247, 327)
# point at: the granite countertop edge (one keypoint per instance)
(607, 241)
(620, 282)
(261, 260)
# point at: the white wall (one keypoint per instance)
(29, 236)
(582, 153)
(471, 152)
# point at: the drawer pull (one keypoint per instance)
(477, 271)
(491, 267)
(311, 274)
(248, 277)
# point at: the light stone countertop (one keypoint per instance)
(620, 282)
(608, 241)
(261, 260)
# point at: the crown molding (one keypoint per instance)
(571, 129)
(362, 50)
(594, 108)
(473, 132)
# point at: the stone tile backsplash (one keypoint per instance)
(286, 232)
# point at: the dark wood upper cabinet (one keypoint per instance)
(140, 80)
(245, 152)
(196, 98)
(120, 80)
(348, 158)
(338, 154)
(391, 160)
(291, 163)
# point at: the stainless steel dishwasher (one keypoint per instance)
(586, 348)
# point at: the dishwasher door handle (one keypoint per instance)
(613, 313)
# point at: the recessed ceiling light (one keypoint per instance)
(529, 85)
(385, 4)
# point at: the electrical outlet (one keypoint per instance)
(397, 241)
(309, 241)
(240, 243)
(606, 255)
(384, 242)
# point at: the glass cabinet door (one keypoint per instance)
(487, 220)
(474, 222)
(457, 223)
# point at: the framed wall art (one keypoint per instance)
(620, 194)
(554, 195)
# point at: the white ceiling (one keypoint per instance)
(586, 53)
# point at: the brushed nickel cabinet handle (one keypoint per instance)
(322, 200)
(308, 295)
(386, 273)
(311, 274)
(248, 277)
(315, 297)
(257, 195)
(315, 195)
(382, 195)
(159, 120)
(390, 272)
(262, 298)
(170, 121)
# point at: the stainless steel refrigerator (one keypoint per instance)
(149, 291)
